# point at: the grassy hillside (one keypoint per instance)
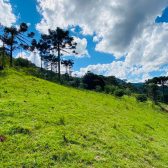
(48, 125)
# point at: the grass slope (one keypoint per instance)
(48, 125)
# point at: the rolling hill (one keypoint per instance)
(43, 124)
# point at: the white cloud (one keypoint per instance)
(28, 24)
(73, 30)
(145, 77)
(123, 28)
(6, 15)
(1, 43)
(117, 69)
(95, 39)
(81, 48)
(151, 51)
(17, 27)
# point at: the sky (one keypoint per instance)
(127, 39)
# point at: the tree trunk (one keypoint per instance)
(163, 90)
(3, 55)
(41, 65)
(11, 48)
(56, 66)
(58, 62)
(11, 56)
(66, 69)
(69, 71)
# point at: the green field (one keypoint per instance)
(49, 125)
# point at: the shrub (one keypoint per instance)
(128, 92)
(113, 88)
(119, 93)
(107, 89)
(23, 63)
(19, 130)
(84, 86)
(141, 98)
(98, 88)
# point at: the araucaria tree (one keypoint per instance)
(3, 49)
(162, 81)
(68, 63)
(153, 92)
(61, 42)
(16, 38)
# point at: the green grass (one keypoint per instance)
(48, 125)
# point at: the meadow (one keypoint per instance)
(49, 125)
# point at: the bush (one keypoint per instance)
(128, 92)
(107, 89)
(23, 63)
(141, 98)
(113, 88)
(84, 86)
(92, 80)
(98, 88)
(119, 93)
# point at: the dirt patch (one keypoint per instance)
(151, 139)
(2, 138)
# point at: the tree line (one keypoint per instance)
(50, 46)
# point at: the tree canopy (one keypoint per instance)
(16, 39)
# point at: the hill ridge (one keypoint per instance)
(49, 125)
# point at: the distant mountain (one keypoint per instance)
(137, 84)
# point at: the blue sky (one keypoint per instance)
(125, 39)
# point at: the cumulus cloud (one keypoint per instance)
(122, 28)
(117, 69)
(145, 77)
(81, 48)
(6, 15)
(150, 52)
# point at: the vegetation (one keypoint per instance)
(119, 93)
(43, 124)
(92, 80)
(153, 92)
(98, 88)
(162, 80)
(141, 98)
(14, 39)
(57, 41)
